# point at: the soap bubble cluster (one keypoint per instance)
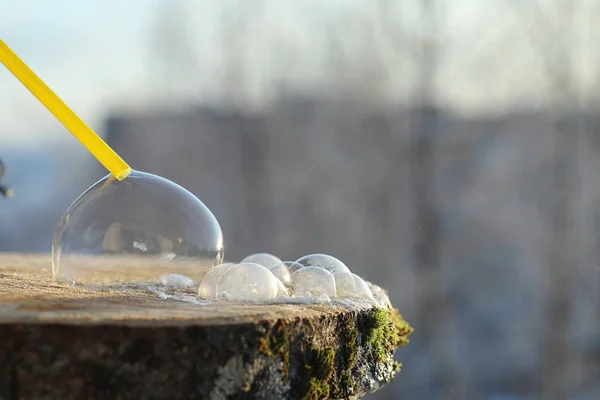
(265, 278)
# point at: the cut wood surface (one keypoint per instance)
(62, 341)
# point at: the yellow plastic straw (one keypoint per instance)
(94, 143)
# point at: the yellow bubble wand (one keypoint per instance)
(92, 142)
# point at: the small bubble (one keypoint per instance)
(344, 284)
(176, 280)
(324, 261)
(351, 286)
(314, 280)
(362, 289)
(208, 286)
(380, 295)
(247, 282)
(265, 259)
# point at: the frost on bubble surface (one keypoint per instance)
(282, 273)
(324, 261)
(351, 286)
(292, 266)
(265, 259)
(208, 286)
(344, 284)
(247, 282)
(314, 281)
(381, 297)
(282, 291)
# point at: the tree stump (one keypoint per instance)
(65, 342)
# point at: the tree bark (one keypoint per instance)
(65, 342)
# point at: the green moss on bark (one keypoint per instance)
(404, 330)
(350, 342)
(352, 356)
(321, 370)
(386, 330)
(338, 371)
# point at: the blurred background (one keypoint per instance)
(445, 150)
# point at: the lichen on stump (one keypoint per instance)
(68, 343)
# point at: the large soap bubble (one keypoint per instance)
(324, 261)
(137, 229)
(247, 282)
(265, 259)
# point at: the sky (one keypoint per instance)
(101, 55)
(87, 52)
